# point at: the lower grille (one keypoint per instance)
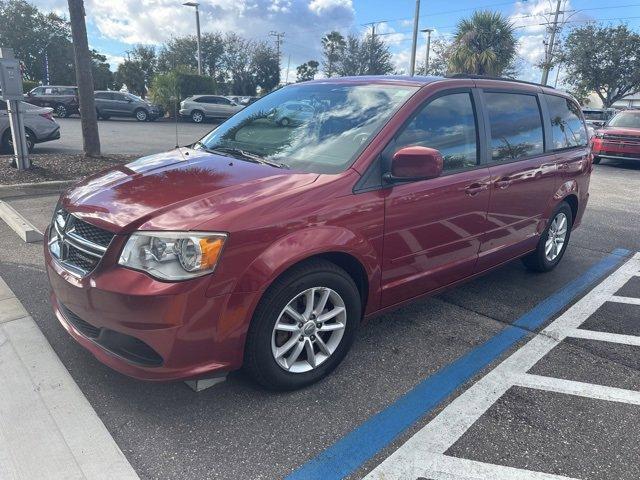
(83, 327)
(131, 349)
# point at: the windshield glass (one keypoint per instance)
(594, 115)
(318, 127)
(626, 120)
(134, 97)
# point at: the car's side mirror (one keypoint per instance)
(414, 163)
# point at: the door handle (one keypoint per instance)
(503, 183)
(475, 188)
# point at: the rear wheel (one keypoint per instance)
(553, 241)
(303, 327)
(7, 141)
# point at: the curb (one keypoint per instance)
(25, 230)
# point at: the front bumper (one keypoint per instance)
(148, 329)
(616, 149)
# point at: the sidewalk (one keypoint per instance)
(48, 430)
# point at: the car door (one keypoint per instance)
(35, 96)
(523, 175)
(101, 100)
(121, 105)
(433, 227)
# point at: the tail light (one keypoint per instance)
(48, 116)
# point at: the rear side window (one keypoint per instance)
(516, 126)
(102, 95)
(447, 124)
(567, 129)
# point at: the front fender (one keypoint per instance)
(303, 244)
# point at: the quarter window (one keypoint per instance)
(567, 129)
(447, 124)
(516, 126)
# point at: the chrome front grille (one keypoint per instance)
(77, 245)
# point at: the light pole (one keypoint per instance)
(196, 5)
(426, 59)
(412, 67)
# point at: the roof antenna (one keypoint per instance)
(175, 114)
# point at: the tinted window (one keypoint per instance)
(37, 91)
(50, 90)
(448, 125)
(567, 129)
(119, 96)
(102, 95)
(66, 91)
(516, 126)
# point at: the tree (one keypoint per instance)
(84, 77)
(439, 55)
(101, 70)
(483, 45)
(375, 56)
(333, 45)
(145, 57)
(178, 52)
(131, 74)
(351, 62)
(604, 60)
(307, 71)
(266, 67)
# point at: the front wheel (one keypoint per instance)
(303, 327)
(553, 241)
(142, 115)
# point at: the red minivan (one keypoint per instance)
(266, 246)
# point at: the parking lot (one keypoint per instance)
(513, 375)
(126, 135)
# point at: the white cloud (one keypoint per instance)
(322, 7)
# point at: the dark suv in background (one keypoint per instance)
(63, 99)
(121, 104)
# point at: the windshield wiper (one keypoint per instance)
(244, 155)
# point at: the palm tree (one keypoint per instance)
(483, 45)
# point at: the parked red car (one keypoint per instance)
(619, 139)
(266, 246)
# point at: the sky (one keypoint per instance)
(115, 26)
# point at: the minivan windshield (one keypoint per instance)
(317, 127)
(626, 120)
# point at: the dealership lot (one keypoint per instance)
(543, 421)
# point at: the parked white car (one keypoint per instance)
(39, 124)
(201, 107)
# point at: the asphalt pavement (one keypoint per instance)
(127, 136)
(237, 430)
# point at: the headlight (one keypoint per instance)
(173, 255)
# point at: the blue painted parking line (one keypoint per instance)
(361, 444)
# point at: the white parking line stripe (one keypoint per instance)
(603, 336)
(631, 300)
(443, 467)
(48, 429)
(417, 453)
(581, 389)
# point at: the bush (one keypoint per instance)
(28, 85)
(171, 88)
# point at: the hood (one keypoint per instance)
(169, 190)
(632, 132)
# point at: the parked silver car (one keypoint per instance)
(201, 107)
(293, 113)
(39, 124)
(121, 104)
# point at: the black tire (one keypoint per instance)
(537, 260)
(141, 115)
(197, 116)
(284, 122)
(61, 111)
(596, 160)
(259, 361)
(7, 141)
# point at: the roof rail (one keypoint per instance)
(487, 77)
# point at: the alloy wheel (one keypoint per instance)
(197, 117)
(556, 237)
(309, 329)
(61, 111)
(141, 115)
